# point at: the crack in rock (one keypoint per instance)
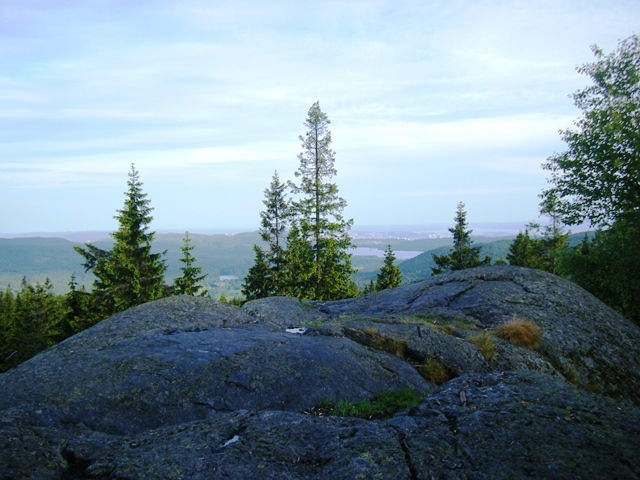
(402, 440)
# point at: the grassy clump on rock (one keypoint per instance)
(434, 371)
(397, 347)
(383, 405)
(485, 344)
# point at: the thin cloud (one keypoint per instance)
(460, 192)
(419, 93)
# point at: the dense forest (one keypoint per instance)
(305, 243)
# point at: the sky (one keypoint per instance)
(430, 102)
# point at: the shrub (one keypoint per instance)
(433, 371)
(485, 344)
(523, 333)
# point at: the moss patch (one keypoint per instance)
(382, 406)
(314, 323)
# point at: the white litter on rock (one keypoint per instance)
(298, 330)
(231, 441)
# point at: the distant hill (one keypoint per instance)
(86, 236)
(419, 267)
(226, 258)
(37, 258)
(419, 244)
(221, 255)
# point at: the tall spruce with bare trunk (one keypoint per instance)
(318, 211)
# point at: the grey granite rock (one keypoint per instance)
(188, 388)
(511, 426)
(584, 339)
(179, 369)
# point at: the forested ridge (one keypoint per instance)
(305, 241)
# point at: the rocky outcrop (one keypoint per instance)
(186, 387)
(583, 340)
(179, 359)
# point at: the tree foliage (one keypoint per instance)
(299, 265)
(609, 267)
(390, 275)
(128, 274)
(598, 177)
(541, 252)
(30, 321)
(368, 288)
(545, 249)
(463, 254)
(189, 282)
(523, 251)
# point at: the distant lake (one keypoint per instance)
(226, 278)
(376, 252)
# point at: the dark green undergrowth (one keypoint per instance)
(382, 406)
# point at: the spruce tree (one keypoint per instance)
(521, 251)
(257, 282)
(7, 309)
(37, 320)
(368, 288)
(554, 237)
(77, 303)
(189, 282)
(319, 213)
(545, 249)
(462, 255)
(274, 221)
(268, 275)
(299, 265)
(128, 274)
(607, 266)
(390, 275)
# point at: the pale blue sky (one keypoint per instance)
(431, 103)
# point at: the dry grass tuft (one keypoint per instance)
(521, 332)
